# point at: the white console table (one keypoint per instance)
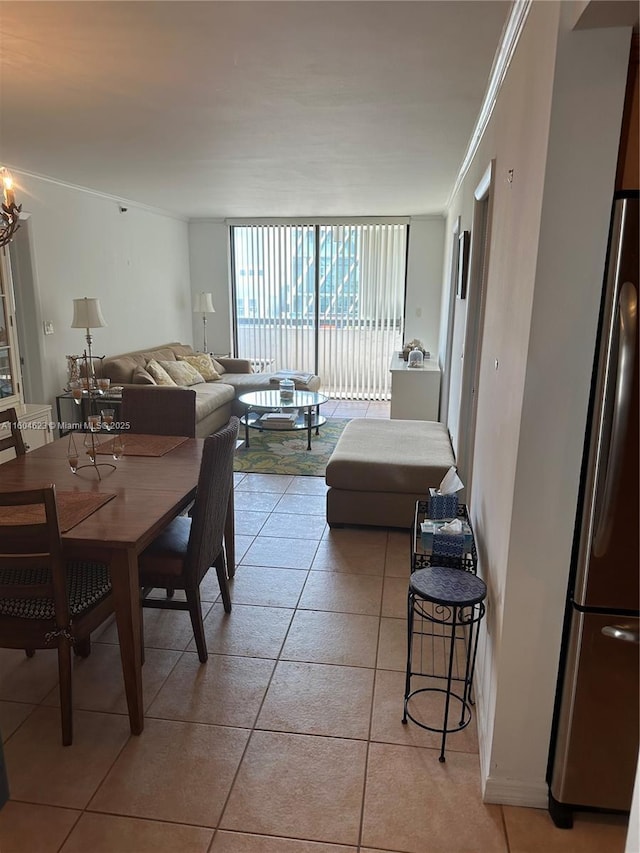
(415, 391)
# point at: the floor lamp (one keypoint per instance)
(203, 304)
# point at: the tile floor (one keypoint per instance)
(287, 741)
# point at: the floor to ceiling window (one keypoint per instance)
(321, 298)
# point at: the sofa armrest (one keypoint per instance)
(235, 365)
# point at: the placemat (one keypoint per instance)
(73, 507)
(145, 445)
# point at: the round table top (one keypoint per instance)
(448, 586)
(274, 399)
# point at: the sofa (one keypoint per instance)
(380, 468)
(216, 400)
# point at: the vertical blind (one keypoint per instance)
(322, 298)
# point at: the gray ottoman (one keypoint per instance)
(380, 468)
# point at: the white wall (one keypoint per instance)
(424, 281)
(587, 106)
(556, 124)
(209, 263)
(136, 263)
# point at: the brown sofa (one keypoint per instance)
(216, 401)
(380, 468)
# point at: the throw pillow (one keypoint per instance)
(203, 363)
(158, 373)
(218, 365)
(182, 372)
(142, 377)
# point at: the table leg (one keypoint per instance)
(246, 426)
(318, 419)
(230, 534)
(309, 420)
(126, 594)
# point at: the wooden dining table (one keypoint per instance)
(149, 491)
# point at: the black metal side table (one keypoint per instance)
(452, 601)
(72, 416)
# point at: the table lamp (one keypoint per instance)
(87, 315)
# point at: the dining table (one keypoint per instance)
(146, 494)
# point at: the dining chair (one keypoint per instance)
(47, 601)
(14, 439)
(154, 410)
(183, 553)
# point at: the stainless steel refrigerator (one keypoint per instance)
(594, 747)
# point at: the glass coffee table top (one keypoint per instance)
(274, 400)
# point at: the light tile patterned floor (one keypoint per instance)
(288, 740)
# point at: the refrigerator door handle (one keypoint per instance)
(621, 632)
(628, 319)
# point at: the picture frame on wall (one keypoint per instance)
(464, 241)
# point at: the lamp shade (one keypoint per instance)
(203, 304)
(87, 314)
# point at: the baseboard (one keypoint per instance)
(502, 790)
(511, 792)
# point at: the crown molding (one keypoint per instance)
(123, 202)
(506, 48)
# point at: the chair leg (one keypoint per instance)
(82, 648)
(66, 691)
(170, 592)
(29, 652)
(195, 612)
(221, 571)
(142, 594)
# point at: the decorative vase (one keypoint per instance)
(416, 358)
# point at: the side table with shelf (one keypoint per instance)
(445, 606)
(70, 413)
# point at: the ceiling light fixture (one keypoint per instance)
(10, 211)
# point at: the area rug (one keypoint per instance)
(286, 452)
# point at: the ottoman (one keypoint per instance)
(380, 468)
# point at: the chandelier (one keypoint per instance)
(9, 211)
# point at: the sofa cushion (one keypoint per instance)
(142, 377)
(375, 455)
(210, 396)
(182, 372)
(164, 354)
(159, 373)
(203, 363)
(218, 365)
(247, 382)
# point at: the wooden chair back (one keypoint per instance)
(212, 497)
(31, 544)
(154, 410)
(14, 439)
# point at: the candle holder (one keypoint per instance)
(91, 444)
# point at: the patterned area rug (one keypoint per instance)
(286, 452)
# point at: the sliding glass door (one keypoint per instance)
(326, 299)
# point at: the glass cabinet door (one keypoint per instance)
(9, 379)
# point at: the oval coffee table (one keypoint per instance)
(257, 404)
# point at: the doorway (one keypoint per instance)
(476, 303)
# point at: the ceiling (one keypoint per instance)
(233, 109)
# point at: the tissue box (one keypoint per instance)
(442, 506)
(448, 544)
(430, 529)
(427, 529)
